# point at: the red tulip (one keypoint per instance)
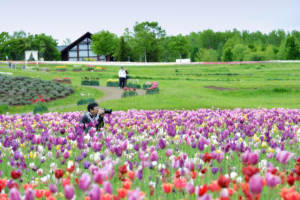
(123, 169)
(122, 193)
(179, 183)
(59, 173)
(291, 179)
(223, 181)
(15, 174)
(207, 157)
(126, 184)
(201, 190)
(39, 193)
(167, 187)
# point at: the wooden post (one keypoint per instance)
(77, 51)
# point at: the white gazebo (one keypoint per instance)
(35, 55)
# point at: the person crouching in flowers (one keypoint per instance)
(95, 115)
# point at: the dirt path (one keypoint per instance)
(111, 93)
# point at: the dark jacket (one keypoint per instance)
(88, 118)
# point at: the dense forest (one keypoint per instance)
(148, 42)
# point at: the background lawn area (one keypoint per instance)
(184, 86)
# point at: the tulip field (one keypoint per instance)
(160, 154)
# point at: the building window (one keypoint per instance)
(74, 48)
(72, 53)
(73, 59)
(92, 54)
(83, 54)
(83, 47)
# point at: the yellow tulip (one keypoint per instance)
(263, 144)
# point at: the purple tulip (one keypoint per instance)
(169, 152)
(220, 156)
(85, 182)
(107, 187)
(52, 188)
(14, 194)
(255, 184)
(153, 156)
(69, 192)
(95, 192)
(253, 158)
(29, 194)
(162, 143)
(214, 170)
(284, 157)
(189, 188)
(86, 164)
(272, 180)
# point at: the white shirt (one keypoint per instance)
(122, 73)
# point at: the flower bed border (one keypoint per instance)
(92, 83)
(75, 70)
(61, 70)
(129, 94)
(153, 91)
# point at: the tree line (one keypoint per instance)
(14, 46)
(148, 42)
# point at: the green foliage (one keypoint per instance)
(255, 56)
(238, 52)
(227, 55)
(178, 44)
(292, 49)
(104, 42)
(207, 55)
(122, 50)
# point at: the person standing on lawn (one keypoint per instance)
(127, 77)
(122, 77)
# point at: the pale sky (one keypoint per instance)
(72, 18)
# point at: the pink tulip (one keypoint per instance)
(14, 194)
(95, 192)
(169, 152)
(153, 156)
(272, 180)
(107, 187)
(255, 184)
(84, 182)
(69, 192)
(284, 156)
(29, 194)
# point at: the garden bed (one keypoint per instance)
(77, 70)
(153, 91)
(61, 70)
(129, 92)
(21, 90)
(95, 83)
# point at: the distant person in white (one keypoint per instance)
(122, 77)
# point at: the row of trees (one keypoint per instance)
(13, 46)
(149, 42)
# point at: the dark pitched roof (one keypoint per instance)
(60, 48)
(87, 34)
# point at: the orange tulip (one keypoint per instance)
(51, 198)
(167, 187)
(179, 183)
(292, 196)
(47, 193)
(122, 193)
(285, 191)
(87, 198)
(107, 197)
(39, 193)
(131, 175)
(126, 184)
(193, 175)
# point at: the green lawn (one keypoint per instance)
(183, 86)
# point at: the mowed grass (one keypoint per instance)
(183, 86)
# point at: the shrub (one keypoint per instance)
(18, 98)
(52, 97)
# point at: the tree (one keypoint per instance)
(123, 50)
(207, 55)
(292, 49)
(147, 39)
(227, 55)
(104, 42)
(67, 42)
(238, 52)
(179, 44)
